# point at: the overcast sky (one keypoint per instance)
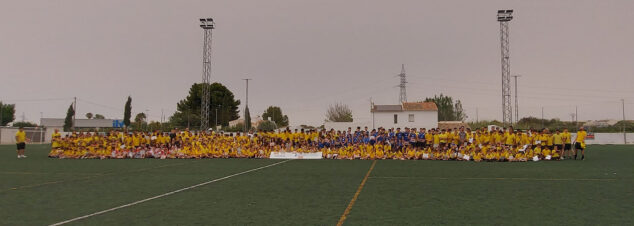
(305, 55)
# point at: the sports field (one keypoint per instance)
(42, 191)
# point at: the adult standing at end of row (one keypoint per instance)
(580, 143)
(20, 141)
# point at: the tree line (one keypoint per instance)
(223, 109)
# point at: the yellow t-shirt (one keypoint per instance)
(546, 152)
(566, 137)
(544, 138)
(510, 139)
(56, 136)
(550, 139)
(581, 136)
(485, 138)
(20, 137)
(557, 139)
(443, 138)
(136, 141)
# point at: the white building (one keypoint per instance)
(254, 122)
(58, 123)
(600, 123)
(412, 115)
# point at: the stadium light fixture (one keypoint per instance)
(207, 23)
(505, 15)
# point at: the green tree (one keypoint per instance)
(339, 113)
(89, 115)
(127, 112)
(154, 125)
(24, 124)
(460, 115)
(267, 126)
(7, 113)
(222, 99)
(274, 114)
(139, 121)
(247, 119)
(239, 127)
(447, 110)
(139, 118)
(68, 121)
(99, 116)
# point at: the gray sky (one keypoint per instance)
(305, 55)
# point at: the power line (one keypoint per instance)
(38, 100)
(541, 87)
(100, 105)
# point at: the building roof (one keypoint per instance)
(405, 106)
(420, 106)
(377, 108)
(81, 123)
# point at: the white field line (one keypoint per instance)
(500, 178)
(166, 194)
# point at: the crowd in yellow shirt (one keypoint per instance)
(434, 144)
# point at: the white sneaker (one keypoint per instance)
(23, 156)
(19, 156)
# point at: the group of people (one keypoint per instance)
(461, 144)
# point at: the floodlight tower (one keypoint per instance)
(504, 16)
(403, 95)
(207, 24)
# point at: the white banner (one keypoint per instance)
(295, 155)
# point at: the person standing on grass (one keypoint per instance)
(20, 141)
(580, 142)
(462, 137)
(558, 143)
(55, 139)
(567, 144)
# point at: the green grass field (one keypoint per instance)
(41, 191)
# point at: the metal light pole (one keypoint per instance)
(624, 134)
(542, 117)
(207, 24)
(216, 124)
(576, 117)
(504, 17)
(41, 128)
(372, 110)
